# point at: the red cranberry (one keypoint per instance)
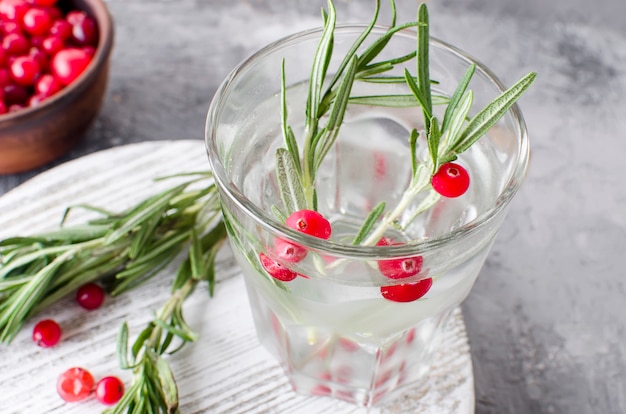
(75, 16)
(15, 44)
(45, 3)
(5, 78)
(36, 21)
(75, 384)
(310, 222)
(41, 57)
(13, 10)
(451, 180)
(47, 85)
(52, 44)
(25, 70)
(321, 390)
(37, 38)
(386, 241)
(90, 296)
(89, 51)
(406, 292)
(85, 32)
(7, 27)
(399, 268)
(16, 108)
(276, 270)
(69, 63)
(36, 41)
(34, 100)
(289, 252)
(410, 336)
(62, 29)
(46, 333)
(9, 60)
(348, 345)
(54, 12)
(15, 94)
(109, 390)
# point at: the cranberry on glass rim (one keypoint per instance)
(310, 222)
(451, 180)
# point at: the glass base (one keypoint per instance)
(360, 370)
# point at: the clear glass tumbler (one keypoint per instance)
(331, 328)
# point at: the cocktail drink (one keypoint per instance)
(355, 310)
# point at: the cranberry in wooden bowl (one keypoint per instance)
(54, 61)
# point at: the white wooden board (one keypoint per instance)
(226, 370)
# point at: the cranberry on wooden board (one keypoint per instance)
(109, 390)
(47, 333)
(90, 296)
(75, 384)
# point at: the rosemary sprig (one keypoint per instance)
(328, 99)
(154, 389)
(123, 250)
(446, 139)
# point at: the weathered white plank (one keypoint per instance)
(226, 371)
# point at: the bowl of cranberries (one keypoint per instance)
(54, 60)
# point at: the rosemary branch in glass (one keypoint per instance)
(329, 97)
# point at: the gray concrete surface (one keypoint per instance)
(547, 317)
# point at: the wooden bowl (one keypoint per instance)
(35, 136)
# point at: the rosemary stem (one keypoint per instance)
(169, 308)
(307, 166)
(418, 184)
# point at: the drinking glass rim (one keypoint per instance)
(411, 247)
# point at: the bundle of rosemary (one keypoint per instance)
(122, 250)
